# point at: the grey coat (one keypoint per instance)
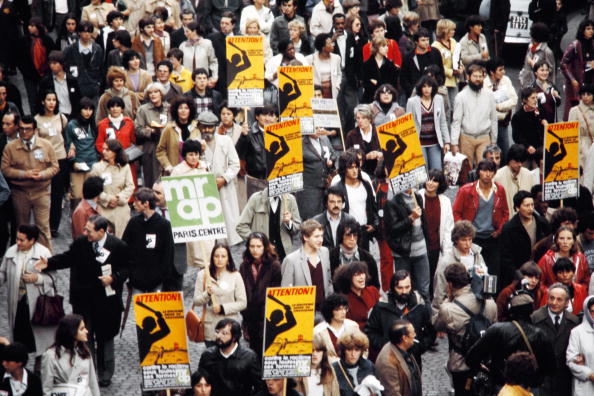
(10, 272)
(295, 271)
(56, 371)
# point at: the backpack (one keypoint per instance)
(474, 329)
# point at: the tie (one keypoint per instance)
(557, 322)
(28, 143)
(96, 248)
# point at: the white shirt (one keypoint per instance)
(314, 388)
(341, 41)
(552, 316)
(18, 387)
(357, 202)
(230, 353)
(61, 8)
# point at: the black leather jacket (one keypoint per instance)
(398, 226)
(502, 339)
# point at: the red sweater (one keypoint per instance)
(393, 52)
(359, 306)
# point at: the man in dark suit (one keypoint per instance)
(557, 323)
(98, 269)
(64, 85)
(318, 162)
(178, 36)
(219, 43)
(333, 216)
(14, 359)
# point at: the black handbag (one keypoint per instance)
(48, 309)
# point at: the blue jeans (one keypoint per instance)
(419, 270)
(503, 141)
(432, 156)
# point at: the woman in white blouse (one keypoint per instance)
(220, 289)
(260, 12)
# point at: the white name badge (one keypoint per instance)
(151, 241)
(106, 176)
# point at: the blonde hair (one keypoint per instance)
(249, 22)
(376, 43)
(297, 24)
(352, 340)
(443, 27)
(409, 18)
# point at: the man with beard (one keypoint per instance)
(333, 216)
(474, 124)
(223, 163)
(403, 303)
(233, 369)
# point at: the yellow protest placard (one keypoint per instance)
(284, 157)
(162, 342)
(288, 331)
(245, 71)
(403, 157)
(295, 91)
(561, 160)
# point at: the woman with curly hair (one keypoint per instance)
(259, 269)
(183, 127)
(352, 367)
(334, 310)
(116, 81)
(352, 281)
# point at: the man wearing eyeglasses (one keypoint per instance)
(29, 163)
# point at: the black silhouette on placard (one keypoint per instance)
(394, 149)
(146, 337)
(237, 64)
(555, 153)
(288, 93)
(273, 326)
(275, 152)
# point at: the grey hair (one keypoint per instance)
(491, 149)
(364, 110)
(559, 285)
(155, 85)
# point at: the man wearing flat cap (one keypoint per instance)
(519, 334)
(223, 162)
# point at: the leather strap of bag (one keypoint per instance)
(587, 124)
(524, 337)
(346, 376)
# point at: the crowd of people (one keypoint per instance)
(122, 93)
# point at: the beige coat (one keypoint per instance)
(197, 252)
(229, 292)
(144, 79)
(330, 389)
(585, 115)
(223, 162)
(428, 10)
(117, 182)
(254, 218)
(470, 50)
(97, 15)
(52, 130)
(10, 272)
(131, 103)
(172, 7)
(335, 71)
(56, 371)
(452, 319)
(16, 160)
(168, 150)
(349, 326)
(524, 181)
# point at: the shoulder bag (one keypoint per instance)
(195, 324)
(48, 309)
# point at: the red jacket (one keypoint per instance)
(467, 203)
(580, 292)
(582, 272)
(393, 52)
(125, 135)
